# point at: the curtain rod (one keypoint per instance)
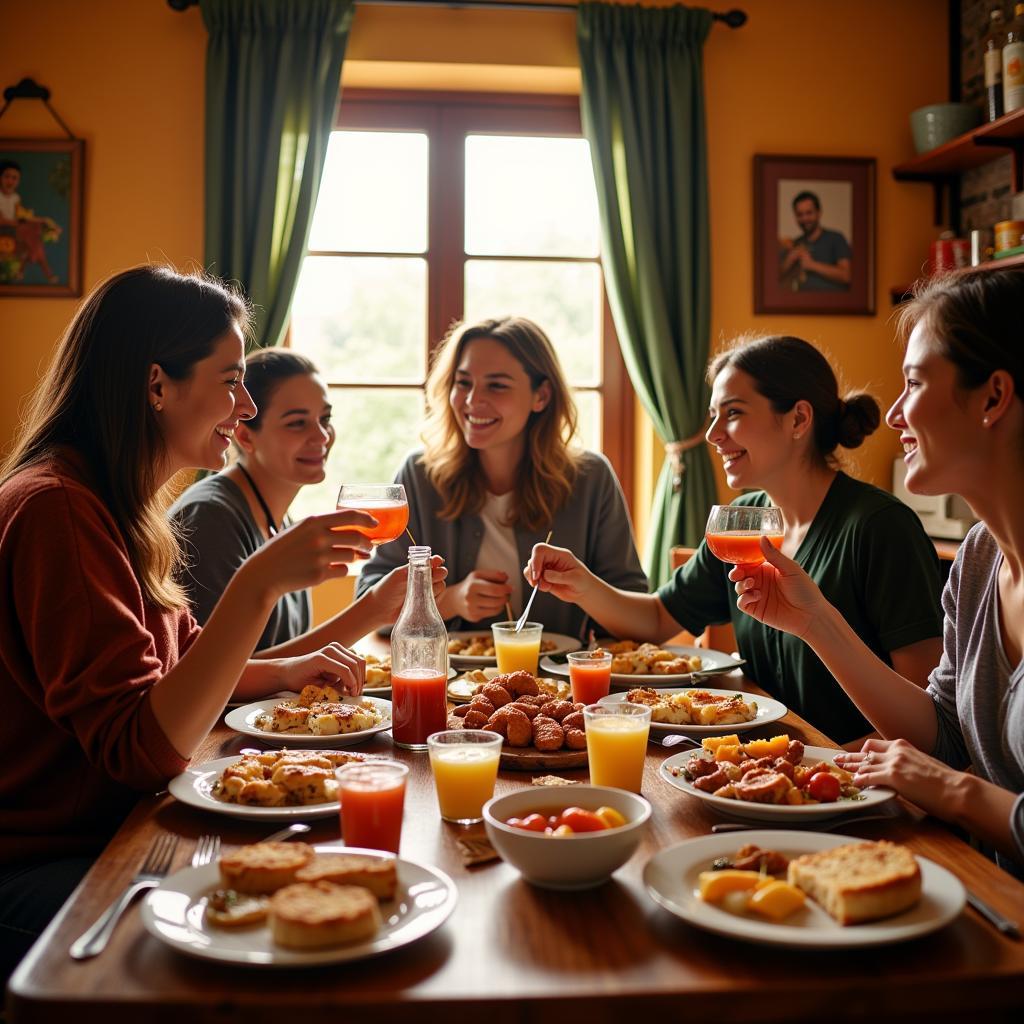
(733, 18)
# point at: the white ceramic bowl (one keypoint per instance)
(580, 861)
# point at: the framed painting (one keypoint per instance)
(814, 235)
(41, 217)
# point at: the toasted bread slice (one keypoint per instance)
(263, 867)
(377, 874)
(310, 915)
(860, 881)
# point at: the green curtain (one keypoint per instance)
(273, 72)
(643, 113)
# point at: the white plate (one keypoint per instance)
(194, 786)
(173, 913)
(671, 878)
(243, 720)
(778, 813)
(768, 710)
(563, 645)
(712, 663)
(462, 689)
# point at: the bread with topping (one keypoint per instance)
(310, 915)
(263, 867)
(377, 874)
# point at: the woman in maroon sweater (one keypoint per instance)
(107, 685)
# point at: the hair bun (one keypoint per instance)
(859, 415)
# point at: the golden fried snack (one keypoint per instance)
(548, 735)
(623, 664)
(517, 683)
(513, 725)
(575, 737)
(311, 694)
(496, 694)
(557, 709)
(530, 710)
(476, 719)
(644, 695)
(622, 646)
(671, 666)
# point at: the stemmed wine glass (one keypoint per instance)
(387, 504)
(734, 532)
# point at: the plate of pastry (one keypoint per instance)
(294, 905)
(701, 711)
(643, 664)
(803, 889)
(475, 648)
(317, 717)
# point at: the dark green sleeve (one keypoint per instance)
(698, 595)
(899, 578)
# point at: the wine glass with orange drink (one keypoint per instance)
(734, 532)
(387, 504)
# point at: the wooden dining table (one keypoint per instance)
(511, 952)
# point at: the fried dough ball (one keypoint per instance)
(557, 709)
(548, 735)
(461, 711)
(530, 710)
(513, 725)
(475, 719)
(573, 720)
(575, 737)
(496, 694)
(517, 683)
(534, 700)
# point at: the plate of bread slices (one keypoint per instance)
(804, 889)
(777, 779)
(266, 785)
(297, 905)
(701, 711)
(319, 716)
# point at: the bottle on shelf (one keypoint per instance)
(419, 660)
(992, 47)
(1013, 61)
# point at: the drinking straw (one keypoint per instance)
(508, 612)
(411, 537)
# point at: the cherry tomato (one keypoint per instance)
(824, 786)
(580, 820)
(534, 823)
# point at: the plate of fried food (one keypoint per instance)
(319, 716)
(641, 664)
(475, 649)
(702, 712)
(777, 779)
(464, 688)
(266, 785)
(539, 730)
(804, 889)
(295, 905)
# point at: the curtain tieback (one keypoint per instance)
(675, 451)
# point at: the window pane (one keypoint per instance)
(530, 197)
(373, 194)
(363, 318)
(563, 298)
(376, 429)
(588, 405)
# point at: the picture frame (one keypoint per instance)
(41, 201)
(814, 235)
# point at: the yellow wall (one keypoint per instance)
(803, 76)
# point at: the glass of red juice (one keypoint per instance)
(419, 706)
(734, 532)
(372, 798)
(387, 504)
(590, 673)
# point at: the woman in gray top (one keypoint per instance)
(226, 517)
(498, 473)
(961, 424)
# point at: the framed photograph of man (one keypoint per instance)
(814, 234)
(41, 217)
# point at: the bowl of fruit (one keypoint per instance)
(566, 837)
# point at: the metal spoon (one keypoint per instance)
(285, 834)
(676, 739)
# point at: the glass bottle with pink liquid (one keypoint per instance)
(419, 660)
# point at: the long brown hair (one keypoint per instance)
(93, 399)
(786, 370)
(548, 469)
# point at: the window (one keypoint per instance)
(437, 209)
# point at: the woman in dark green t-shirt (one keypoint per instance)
(776, 421)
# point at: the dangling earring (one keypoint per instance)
(158, 406)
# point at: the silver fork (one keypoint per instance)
(154, 868)
(207, 850)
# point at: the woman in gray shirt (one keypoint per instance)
(961, 424)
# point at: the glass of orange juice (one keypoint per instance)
(617, 743)
(517, 650)
(465, 766)
(372, 796)
(590, 673)
(734, 532)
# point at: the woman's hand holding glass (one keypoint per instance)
(314, 550)
(778, 592)
(332, 665)
(558, 571)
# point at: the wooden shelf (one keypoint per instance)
(902, 292)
